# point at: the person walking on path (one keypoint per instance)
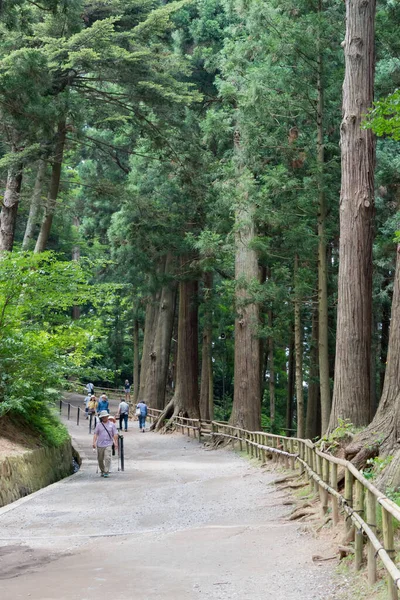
(92, 405)
(123, 414)
(105, 435)
(127, 387)
(86, 402)
(90, 388)
(103, 404)
(141, 411)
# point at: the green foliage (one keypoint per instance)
(40, 344)
(375, 466)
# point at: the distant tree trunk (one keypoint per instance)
(290, 388)
(50, 207)
(150, 323)
(136, 361)
(351, 397)
(271, 369)
(298, 345)
(312, 419)
(76, 255)
(206, 386)
(173, 358)
(157, 371)
(185, 401)
(246, 408)
(35, 206)
(323, 350)
(9, 209)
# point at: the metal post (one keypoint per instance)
(77, 415)
(90, 423)
(69, 410)
(60, 406)
(121, 451)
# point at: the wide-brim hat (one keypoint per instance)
(103, 413)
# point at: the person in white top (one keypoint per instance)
(123, 414)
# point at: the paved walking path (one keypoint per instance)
(181, 523)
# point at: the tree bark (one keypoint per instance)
(271, 369)
(157, 371)
(35, 206)
(76, 255)
(298, 340)
(351, 397)
(50, 208)
(323, 350)
(313, 428)
(246, 409)
(9, 209)
(150, 322)
(136, 361)
(206, 385)
(185, 401)
(290, 388)
(384, 341)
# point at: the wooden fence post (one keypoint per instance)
(359, 508)
(371, 520)
(292, 459)
(335, 504)
(348, 496)
(388, 541)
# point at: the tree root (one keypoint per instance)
(293, 486)
(302, 512)
(344, 551)
(318, 558)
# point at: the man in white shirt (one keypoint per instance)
(123, 414)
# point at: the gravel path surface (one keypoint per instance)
(181, 522)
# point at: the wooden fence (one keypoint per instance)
(359, 501)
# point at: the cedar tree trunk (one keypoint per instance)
(312, 420)
(271, 369)
(246, 409)
(35, 206)
(206, 385)
(185, 401)
(157, 371)
(136, 361)
(9, 209)
(50, 208)
(298, 349)
(323, 354)
(351, 396)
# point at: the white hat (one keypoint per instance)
(103, 413)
